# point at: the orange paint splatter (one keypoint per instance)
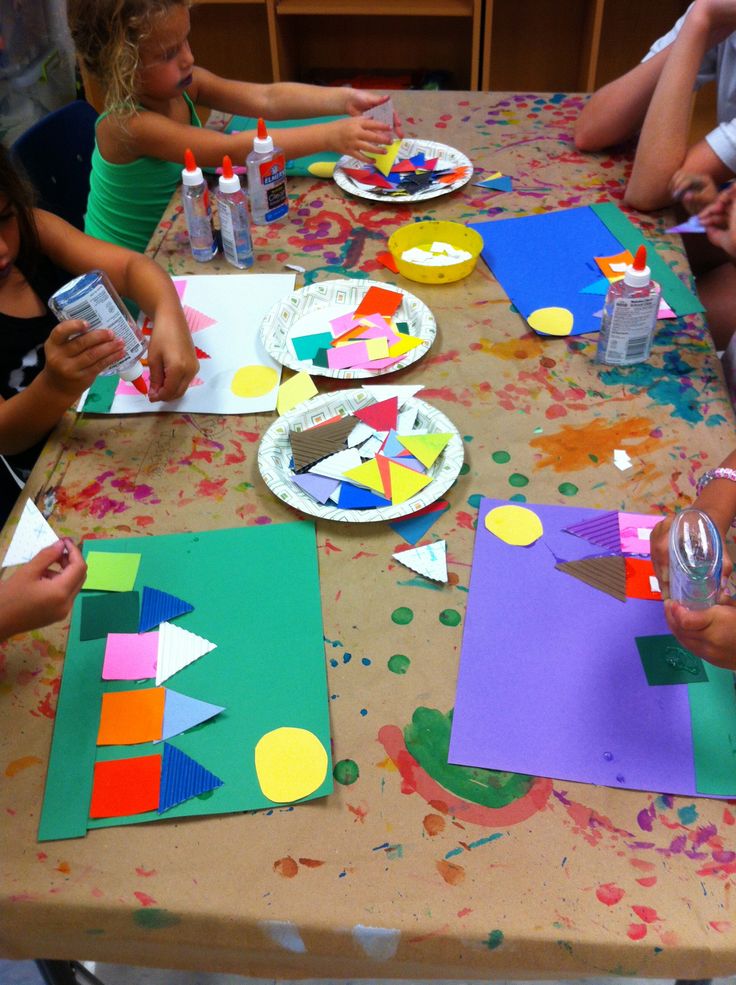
(609, 893)
(311, 863)
(360, 811)
(12, 769)
(637, 931)
(286, 867)
(569, 449)
(433, 824)
(452, 874)
(64, 867)
(387, 764)
(646, 913)
(528, 347)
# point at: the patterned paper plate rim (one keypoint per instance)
(408, 149)
(274, 456)
(277, 326)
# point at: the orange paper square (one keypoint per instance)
(378, 301)
(126, 786)
(128, 717)
(638, 571)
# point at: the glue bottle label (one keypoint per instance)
(273, 179)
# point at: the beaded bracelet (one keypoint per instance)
(719, 473)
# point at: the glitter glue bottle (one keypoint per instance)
(196, 200)
(696, 559)
(266, 169)
(232, 206)
(629, 316)
(93, 298)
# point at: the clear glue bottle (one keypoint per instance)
(196, 199)
(696, 559)
(266, 168)
(629, 316)
(232, 206)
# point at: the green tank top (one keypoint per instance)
(127, 201)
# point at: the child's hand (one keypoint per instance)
(171, 359)
(359, 100)
(75, 356)
(42, 590)
(719, 220)
(357, 136)
(695, 191)
(708, 633)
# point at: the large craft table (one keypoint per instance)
(411, 869)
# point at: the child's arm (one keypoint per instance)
(171, 356)
(694, 191)
(36, 594)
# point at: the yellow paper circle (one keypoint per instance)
(515, 525)
(291, 763)
(551, 321)
(253, 381)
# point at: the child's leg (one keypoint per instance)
(717, 290)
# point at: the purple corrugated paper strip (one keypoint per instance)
(603, 530)
(550, 679)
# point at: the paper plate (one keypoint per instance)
(274, 456)
(294, 314)
(408, 148)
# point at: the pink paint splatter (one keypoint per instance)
(609, 893)
(637, 931)
(646, 913)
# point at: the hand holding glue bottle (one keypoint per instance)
(92, 298)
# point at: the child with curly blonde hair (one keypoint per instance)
(138, 50)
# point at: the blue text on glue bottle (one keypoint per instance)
(232, 207)
(93, 298)
(196, 201)
(266, 169)
(629, 316)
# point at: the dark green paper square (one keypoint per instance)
(320, 358)
(110, 612)
(666, 661)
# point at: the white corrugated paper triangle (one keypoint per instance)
(429, 560)
(177, 648)
(32, 534)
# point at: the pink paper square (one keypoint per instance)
(343, 324)
(347, 356)
(130, 656)
(629, 525)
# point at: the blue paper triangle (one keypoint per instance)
(502, 184)
(599, 286)
(356, 498)
(158, 607)
(413, 528)
(182, 712)
(182, 778)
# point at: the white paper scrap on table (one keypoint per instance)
(32, 535)
(429, 560)
(177, 648)
(621, 459)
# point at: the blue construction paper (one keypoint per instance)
(158, 607)
(599, 287)
(546, 260)
(502, 184)
(319, 487)
(413, 528)
(182, 778)
(306, 346)
(356, 498)
(182, 712)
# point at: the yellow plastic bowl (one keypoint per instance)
(430, 231)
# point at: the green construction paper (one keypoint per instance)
(111, 571)
(682, 300)
(299, 166)
(320, 358)
(713, 719)
(305, 346)
(665, 661)
(112, 612)
(403, 327)
(101, 394)
(256, 595)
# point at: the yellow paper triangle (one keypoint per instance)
(404, 343)
(300, 387)
(405, 483)
(425, 447)
(384, 162)
(367, 475)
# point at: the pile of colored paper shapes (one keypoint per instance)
(371, 458)
(398, 177)
(367, 338)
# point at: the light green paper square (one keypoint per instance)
(107, 572)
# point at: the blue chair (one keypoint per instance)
(56, 154)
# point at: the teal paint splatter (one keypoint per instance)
(495, 939)
(518, 498)
(474, 500)
(688, 814)
(152, 918)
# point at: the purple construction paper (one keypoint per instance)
(319, 487)
(550, 679)
(182, 712)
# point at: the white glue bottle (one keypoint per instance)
(266, 168)
(232, 207)
(93, 298)
(629, 316)
(196, 200)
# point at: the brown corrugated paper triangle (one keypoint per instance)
(608, 574)
(316, 443)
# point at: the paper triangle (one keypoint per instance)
(32, 535)
(405, 483)
(196, 320)
(413, 527)
(158, 607)
(315, 443)
(607, 574)
(336, 465)
(603, 531)
(177, 648)
(366, 474)
(182, 712)
(384, 162)
(429, 560)
(381, 416)
(425, 447)
(200, 353)
(182, 778)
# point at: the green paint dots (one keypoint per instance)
(518, 498)
(402, 616)
(474, 500)
(346, 772)
(450, 617)
(152, 918)
(398, 663)
(495, 939)
(464, 468)
(501, 457)
(568, 489)
(517, 479)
